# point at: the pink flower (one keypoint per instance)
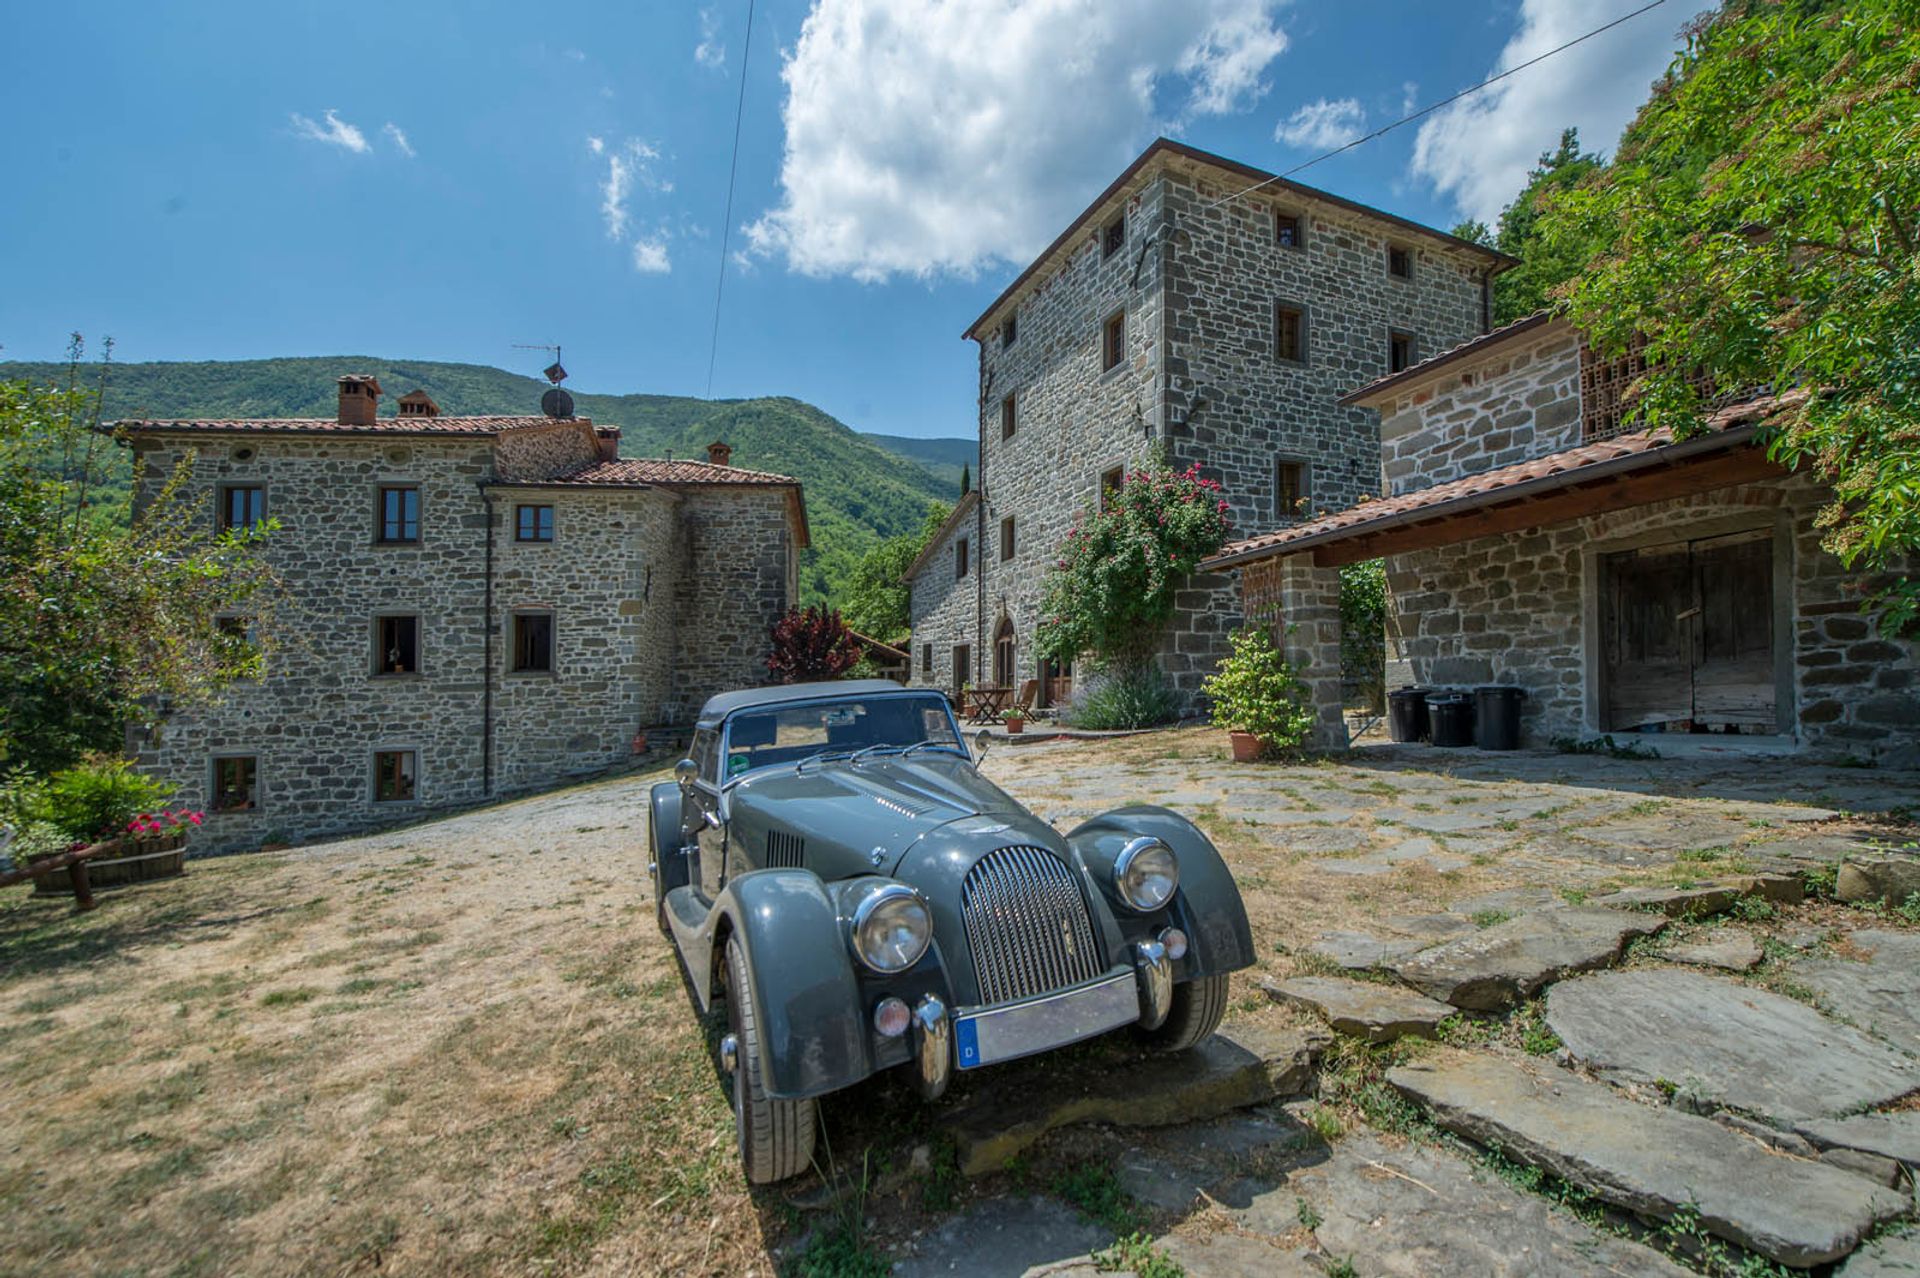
(194, 817)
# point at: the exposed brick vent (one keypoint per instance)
(359, 400)
(718, 453)
(417, 403)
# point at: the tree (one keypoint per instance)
(878, 602)
(105, 613)
(811, 644)
(966, 479)
(1544, 264)
(1762, 229)
(1111, 591)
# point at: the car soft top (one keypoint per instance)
(719, 707)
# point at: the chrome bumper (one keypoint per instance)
(1155, 973)
(932, 1047)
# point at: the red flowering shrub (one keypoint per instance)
(811, 644)
(1111, 591)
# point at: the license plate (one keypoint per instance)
(1005, 1033)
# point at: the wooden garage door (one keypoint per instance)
(1689, 634)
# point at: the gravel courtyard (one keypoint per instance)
(463, 1048)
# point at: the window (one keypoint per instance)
(1006, 418)
(533, 523)
(1006, 537)
(1009, 332)
(1113, 342)
(242, 506)
(396, 645)
(1114, 236)
(1286, 230)
(533, 641)
(1290, 334)
(1110, 481)
(1399, 262)
(393, 775)
(1289, 489)
(926, 660)
(399, 514)
(959, 559)
(236, 784)
(1399, 352)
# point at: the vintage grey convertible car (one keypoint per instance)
(831, 866)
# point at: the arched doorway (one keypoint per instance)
(1003, 667)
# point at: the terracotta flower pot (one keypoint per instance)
(1246, 746)
(1016, 725)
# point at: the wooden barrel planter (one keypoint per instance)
(136, 861)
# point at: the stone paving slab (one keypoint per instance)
(1238, 1256)
(1889, 880)
(1417, 1211)
(1895, 1136)
(1720, 1042)
(1006, 1236)
(1362, 951)
(1880, 993)
(1653, 1160)
(1505, 963)
(1678, 903)
(1365, 1010)
(1894, 1256)
(1386, 860)
(1239, 1066)
(1183, 1161)
(1729, 949)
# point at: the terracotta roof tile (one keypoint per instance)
(1481, 488)
(630, 471)
(487, 426)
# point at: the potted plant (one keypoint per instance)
(103, 802)
(1015, 718)
(1258, 698)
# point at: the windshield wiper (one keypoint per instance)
(873, 749)
(929, 742)
(821, 756)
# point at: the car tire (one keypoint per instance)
(1197, 1008)
(776, 1136)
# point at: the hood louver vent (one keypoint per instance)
(785, 851)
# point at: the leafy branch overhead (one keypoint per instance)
(1760, 226)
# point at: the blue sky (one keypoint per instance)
(436, 180)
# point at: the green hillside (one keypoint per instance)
(858, 491)
(943, 458)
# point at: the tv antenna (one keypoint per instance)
(552, 372)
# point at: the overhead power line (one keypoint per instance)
(726, 222)
(1429, 110)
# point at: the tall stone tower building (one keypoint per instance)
(1198, 312)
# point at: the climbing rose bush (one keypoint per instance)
(1111, 591)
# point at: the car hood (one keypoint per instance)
(884, 805)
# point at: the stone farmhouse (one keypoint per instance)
(1180, 318)
(472, 606)
(1628, 582)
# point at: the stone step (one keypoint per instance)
(1719, 1042)
(1365, 1010)
(1239, 1066)
(1653, 1161)
(1500, 965)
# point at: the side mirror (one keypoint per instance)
(981, 740)
(684, 772)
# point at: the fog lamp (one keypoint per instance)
(1176, 942)
(892, 1017)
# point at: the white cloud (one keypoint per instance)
(626, 166)
(928, 137)
(1318, 126)
(1478, 150)
(650, 256)
(398, 136)
(335, 132)
(711, 52)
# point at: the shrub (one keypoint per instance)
(811, 644)
(1257, 691)
(1363, 627)
(1122, 699)
(97, 798)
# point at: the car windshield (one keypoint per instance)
(787, 734)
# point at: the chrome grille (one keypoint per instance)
(1026, 925)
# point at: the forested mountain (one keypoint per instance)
(860, 489)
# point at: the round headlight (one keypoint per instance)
(891, 928)
(1146, 874)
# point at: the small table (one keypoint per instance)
(987, 703)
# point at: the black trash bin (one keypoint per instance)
(1452, 716)
(1407, 714)
(1497, 723)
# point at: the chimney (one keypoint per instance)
(718, 453)
(417, 403)
(359, 399)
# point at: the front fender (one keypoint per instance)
(802, 986)
(1207, 906)
(665, 835)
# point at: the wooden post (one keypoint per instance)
(82, 890)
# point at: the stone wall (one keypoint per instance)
(736, 575)
(1522, 609)
(1519, 402)
(544, 452)
(945, 609)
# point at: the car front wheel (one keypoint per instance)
(776, 1136)
(1197, 1008)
